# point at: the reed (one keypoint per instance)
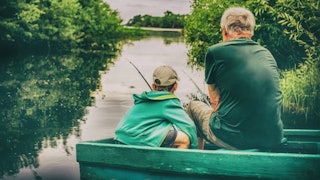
(300, 87)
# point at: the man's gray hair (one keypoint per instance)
(238, 20)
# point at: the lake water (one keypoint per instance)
(50, 103)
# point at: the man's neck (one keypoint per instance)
(236, 36)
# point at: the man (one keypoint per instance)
(244, 90)
(157, 118)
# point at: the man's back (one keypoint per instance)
(250, 97)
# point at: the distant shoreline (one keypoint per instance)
(155, 29)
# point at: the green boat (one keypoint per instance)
(297, 158)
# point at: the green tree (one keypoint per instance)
(12, 28)
(202, 27)
(169, 20)
(301, 85)
(135, 21)
(270, 33)
(59, 24)
(100, 26)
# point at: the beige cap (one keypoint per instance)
(164, 76)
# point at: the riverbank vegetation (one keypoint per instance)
(71, 26)
(169, 20)
(59, 25)
(290, 30)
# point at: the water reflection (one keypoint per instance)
(42, 100)
(48, 104)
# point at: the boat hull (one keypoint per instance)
(105, 160)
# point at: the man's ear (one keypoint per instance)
(224, 31)
(174, 88)
(224, 34)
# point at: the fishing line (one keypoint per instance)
(201, 92)
(195, 84)
(140, 74)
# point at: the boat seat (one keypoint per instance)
(284, 143)
(241, 150)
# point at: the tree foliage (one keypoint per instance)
(289, 29)
(101, 29)
(301, 84)
(62, 24)
(202, 27)
(169, 20)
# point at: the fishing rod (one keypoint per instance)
(140, 74)
(201, 92)
(195, 84)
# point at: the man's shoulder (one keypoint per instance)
(238, 41)
(218, 45)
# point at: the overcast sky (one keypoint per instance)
(130, 8)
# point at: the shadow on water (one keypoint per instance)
(42, 100)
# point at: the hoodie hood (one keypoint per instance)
(153, 96)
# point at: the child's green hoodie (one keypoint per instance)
(148, 122)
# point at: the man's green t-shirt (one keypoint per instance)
(247, 77)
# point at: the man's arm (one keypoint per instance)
(214, 95)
